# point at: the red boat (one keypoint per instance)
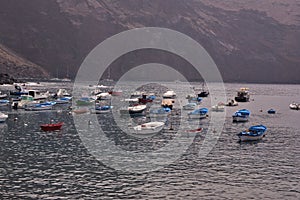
(52, 127)
(198, 130)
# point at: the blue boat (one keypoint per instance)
(40, 106)
(271, 111)
(103, 109)
(253, 133)
(198, 113)
(63, 100)
(241, 115)
(4, 102)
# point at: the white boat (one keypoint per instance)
(62, 93)
(3, 117)
(102, 109)
(103, 96)
(294, 106)
(25, 101)
(2, 96)
(232, 102)
(132, 110)
(37, 95)
(220, 107)
(169, 95)
(149, 128)
(190, 106)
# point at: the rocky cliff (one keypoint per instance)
(249, 40)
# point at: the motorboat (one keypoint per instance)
(241, 115)
(198, 113)
(189, 106)
(232, 102)
(3, 117)
(294, 106)
(169, 94)
(159, 112)
(25, 101)
(194, 99)
(52, 127)
(4, 102)
(18, 91)
(271, 111)
(253, 133)
(220, 107)
(62, 93)
(103, 96)
(149, 128)
(63, 100)
(243, 95)
(37, 95)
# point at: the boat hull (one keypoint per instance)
(51, 127)
(149, 128)
(245, 138)
(240, 119)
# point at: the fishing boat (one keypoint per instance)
(271, 111)
(146, 99)
(4, 102)
(25, 101)
(198, 113)
(169, 94)
(203, 92)
(220, 107)
(18, 91)
(253, 133)
(103, 96)
(189, 106)
(232, 102)
(149, 128)
(37, 95)
(52, 127)
(62, 93)
(63, 100)
(167, 103)
(241, 115)
(243, 95)
(3, 117)
(116, 92)
(194, 99)
(294, 106)
(159, 112)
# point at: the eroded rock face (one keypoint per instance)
(249, 40)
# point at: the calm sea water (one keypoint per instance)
(57, 165)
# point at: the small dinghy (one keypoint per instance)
(149, 128)
(294, 106)
(253, 133)
(220, 107)
(241, 115)
(198, 113)
(52, 127)
(103, 109)
(189, 106)
(198, 130)
(271, 111)
(3, 117)
(4, 102)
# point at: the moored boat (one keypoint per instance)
(198, 113)
(232, 102)
(189, 106)
(243, 95)
(271, 111)
(253, 133)
(133, 110)
(241, 115)
(63, 100)
(52, 127)
(149, 128)
(169, 94)
(2, 96)
(159, 112)
(3, 117)
(220, 107)
(102, 109)
(294, 106)
(40, 106)
(4, 102)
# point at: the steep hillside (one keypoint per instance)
(18, 67)
(249, 40)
